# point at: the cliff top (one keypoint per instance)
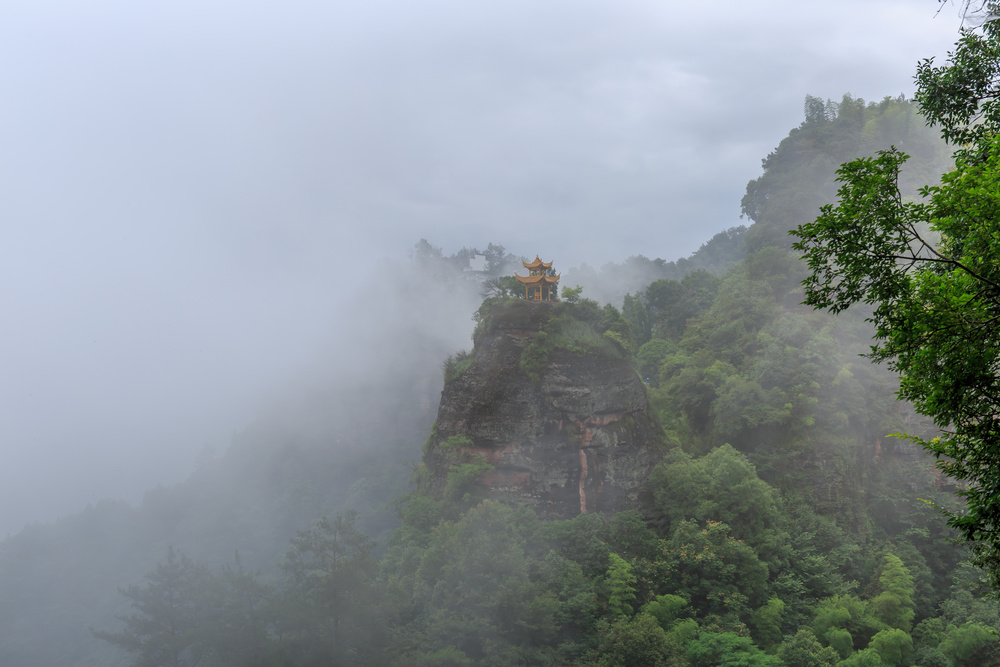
(581, 327)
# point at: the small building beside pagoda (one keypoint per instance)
(539, 284)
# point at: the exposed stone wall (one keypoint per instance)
(580, 439)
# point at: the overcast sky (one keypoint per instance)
(190, 192)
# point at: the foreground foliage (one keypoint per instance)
(930, 269)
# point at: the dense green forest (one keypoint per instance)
(786, 526)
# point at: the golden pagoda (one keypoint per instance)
(538, 284)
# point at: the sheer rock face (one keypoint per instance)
(578, 438)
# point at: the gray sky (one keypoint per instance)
(191, 192)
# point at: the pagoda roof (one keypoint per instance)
(536, 280)
(537, 264)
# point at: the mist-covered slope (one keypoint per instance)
(345, 437)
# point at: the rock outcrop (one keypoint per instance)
(554, 408)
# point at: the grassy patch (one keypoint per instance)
(455, 442)
(565, 332)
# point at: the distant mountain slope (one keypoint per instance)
(613, 281)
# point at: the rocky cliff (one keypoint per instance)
(547, 412)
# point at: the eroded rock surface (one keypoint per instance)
(579, 437)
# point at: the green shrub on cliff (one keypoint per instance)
(577, 328)
(456, 365)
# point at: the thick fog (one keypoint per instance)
(197, 197)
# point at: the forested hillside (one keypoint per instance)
(785, 525)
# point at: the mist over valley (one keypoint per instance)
(273, 396)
